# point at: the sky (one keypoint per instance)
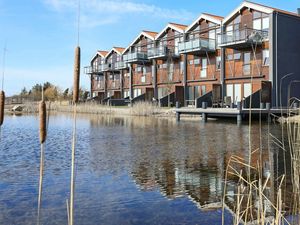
(41, 35)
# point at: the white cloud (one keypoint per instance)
(101, 12)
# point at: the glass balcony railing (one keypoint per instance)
(135, 57)
(162, 52)
(241, 36)
(197, 45)
(120, 65)
(94, 69)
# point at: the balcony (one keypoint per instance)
(121, 65)
(162, 53)
(197, 46)
(135, 57)
(94, 69)
(243, 38)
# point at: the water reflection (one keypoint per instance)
(128, 169)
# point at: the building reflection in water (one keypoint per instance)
(178, 159)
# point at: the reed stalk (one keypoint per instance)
(43, 135)
(2, 103)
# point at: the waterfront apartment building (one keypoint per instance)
(252, 52)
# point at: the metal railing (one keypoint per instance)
(120, 65)
(135, 56)
(94, 69)
(162, 52)
(197, 45)
(243, 35)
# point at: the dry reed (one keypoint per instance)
(76, 75)
(43, 117)
(2, 103)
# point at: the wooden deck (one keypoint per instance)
(228, 112)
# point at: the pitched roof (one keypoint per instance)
(100, 53)
(175, 26)
(149, 34)
(205, 16)
(258, 7)
(118, 50)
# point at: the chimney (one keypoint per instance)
(298, 11)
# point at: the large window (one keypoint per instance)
(260, 21)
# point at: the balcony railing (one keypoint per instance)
(135, 57)
(121, 65)
(242, 38)
(197, 45)
(162, 52)
(93, 69)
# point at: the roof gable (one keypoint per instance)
(178, 27)
(118, 50)
(103, 54)
(149, 34)
(249, 5)
(204, 16)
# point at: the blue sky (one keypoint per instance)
(41, 34)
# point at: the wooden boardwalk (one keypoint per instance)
(228, 112)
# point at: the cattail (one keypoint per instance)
(2, 102)
(76, 75)
(43, 115)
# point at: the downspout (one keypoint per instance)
(185, 88)
(154, 76)
(122, 84)
(91, 86)
(276, 60)
(223, 64)
(130, 82)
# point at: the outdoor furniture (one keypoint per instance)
(227, 102)
(216, 102)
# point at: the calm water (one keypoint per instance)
(129, 170)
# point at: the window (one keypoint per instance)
(247, 63)
(204, 68)
(247, 89)
(229, 30)
(237, 56)
(203, 90)
(229, 57)
(257, 24)
(265, 23)
(197, 61)
(181, 67)
(237, 19)
(138, 69)
(212, 34)
(218, 62)
(266, 56)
